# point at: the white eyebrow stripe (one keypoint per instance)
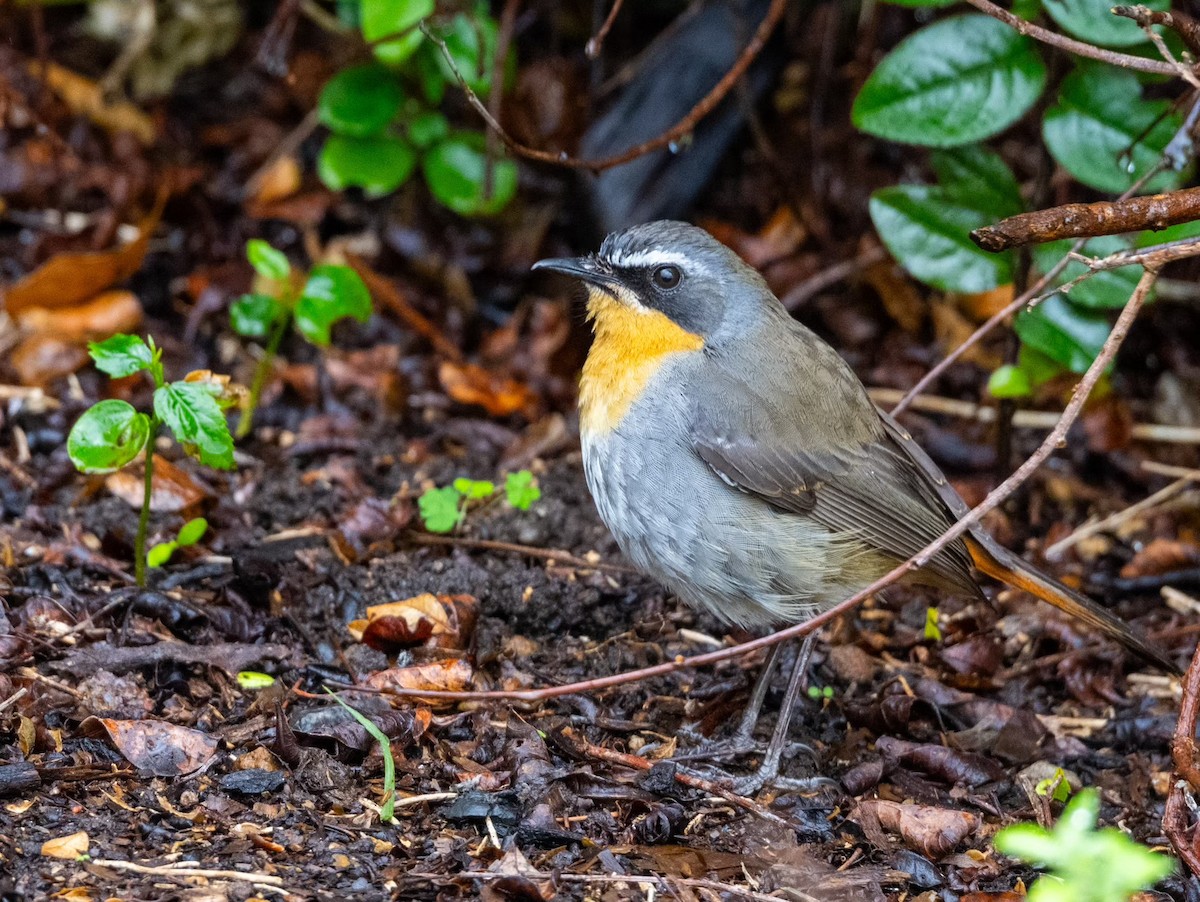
(646, 259)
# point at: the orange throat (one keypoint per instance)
(630, 346)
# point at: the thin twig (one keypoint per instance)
(674, 133)
(1183, 752)
(1070, 45)
(1110, 523)
(183, 870)
(593, 46)
(550, 554)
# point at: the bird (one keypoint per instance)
(738, 459)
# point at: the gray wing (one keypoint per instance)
(867, 484)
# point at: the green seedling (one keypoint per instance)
(933, 632)
(444, 509)
(1085, 864)
(111, 434)
(384, 118)
(1056, 788)
(820, 693)
(326, 294)
(388, 806)
(189, 534)
(251, 680)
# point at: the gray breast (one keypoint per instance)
(714, 546)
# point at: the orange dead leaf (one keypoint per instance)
(436, 621)
(163, 749)
(499, 395)
(452, 674)
(67, 280)
(986, 304)
(172, 489)
(281, 179)
(106, 314)
(86, 98)
(40, 359)
(67, 847)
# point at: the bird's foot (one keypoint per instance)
(709, 749)
(750, 785)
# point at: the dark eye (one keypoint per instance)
(667, 276)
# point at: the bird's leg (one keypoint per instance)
(768, 771)
(742, 740)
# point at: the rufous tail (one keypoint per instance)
(1000, 563)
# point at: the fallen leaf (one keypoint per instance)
(162, 749)
(281, 179)
(437, 621)
(931, 831)
(450, 675)
(499, 395)
(40, 359)
(986, 304)
(66, 847)
(1161, 556)
(172, 489)
(70, 279)
(899, 295)
(85, 97)
(106, 314)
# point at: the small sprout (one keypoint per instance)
(820, 693)
(1086, 864)
(329, 293)
(441, 509)
(933, 632)
(474, 489)
(1056, 787)
(387, 809)
(112, 433)
(520, 490)
(251, 680)
(189, 534)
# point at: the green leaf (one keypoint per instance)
(107, 436)
(160, 554)
(1067, 334)
(1037, 367)
(474, 489)
(520, 490)
(267, 261)
(1103, 132)
(455, 171)
(360, 101)
(253, 315)
(928, 232)
(121, 355)
(1107, 289)
(956, 81)
(440, 509)
(471, 41)
(253, 679)
(1029, 842)
(979, 179)
(331, 293)
(192, 532)
(427, 129)
(191, 411)
(378, 165)
(387, 809)
(428, 65)
(1171, 233)
(381, 18)
(1009, 382)
(933, 632)
(1093, 21)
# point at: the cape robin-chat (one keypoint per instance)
(738, 459)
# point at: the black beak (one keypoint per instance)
(588, 269)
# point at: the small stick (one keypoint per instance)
(1156, 211)
(182, 870)
(1183, 752)
(550, 554)
(593, 46)
(1110, 523)
(1182, 24)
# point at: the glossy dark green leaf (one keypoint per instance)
(107, 436)
(1105, 134)
(1106, 289)
(978, 178)
(928, 232)
(427, 129)
(1179, 232)
(1065, 333)
(253, 315)
(331, 293)
(455, 172)
(471, 41)
(360, 101)
(1093, 21)
(428, 66)
(269, 262)
(121, 355)
(957, 81)
(382, 18)
(191, 411)
(378, 165)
